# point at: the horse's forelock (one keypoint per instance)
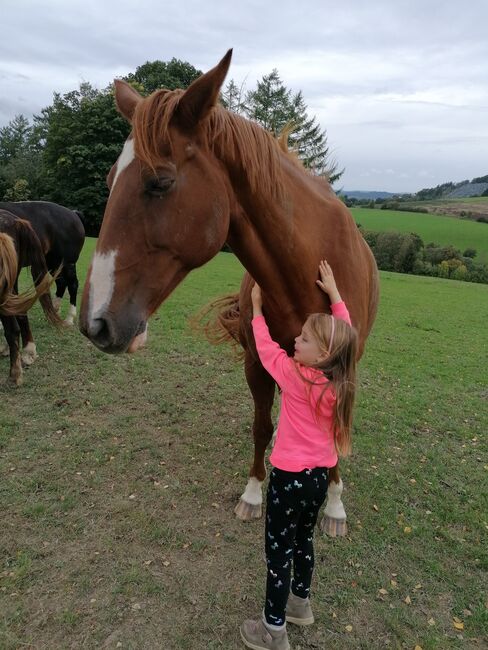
(233, 139)
(150, 124)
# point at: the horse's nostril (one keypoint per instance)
(98, 331)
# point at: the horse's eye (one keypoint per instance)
(159, 186)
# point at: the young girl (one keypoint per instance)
(317, 396)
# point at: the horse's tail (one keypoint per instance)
(12, 304)
(219, 321)
(34, 256)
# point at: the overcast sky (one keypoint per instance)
(400, 86)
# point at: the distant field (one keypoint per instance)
(120, 474)
(444, 230)
(472, 207)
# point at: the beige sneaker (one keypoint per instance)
(257, 636)
(298, 610)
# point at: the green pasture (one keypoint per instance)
(440, 229)
(120, 474)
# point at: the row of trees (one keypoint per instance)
(406, 253)
(65, 153)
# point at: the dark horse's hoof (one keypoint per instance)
(247, 512)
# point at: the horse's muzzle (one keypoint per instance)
(109, 335)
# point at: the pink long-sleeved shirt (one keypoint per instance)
(304, 440)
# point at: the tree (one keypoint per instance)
(84, 135)
(278, 110)
(233, 97)
(14, 138)
(19, 159)
(173, 74)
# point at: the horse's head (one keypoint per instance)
(167, 213)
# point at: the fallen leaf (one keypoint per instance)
(383, 591)
(166, 563)
(375, 507)
(408, 600)
(407, 530)
(418, 647)
(431, 621)
(348, 628)
(458, 624)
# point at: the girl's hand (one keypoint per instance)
(257, 300)
(327, 282)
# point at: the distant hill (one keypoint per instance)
(467, 190)
(359, 194)
(463, 189)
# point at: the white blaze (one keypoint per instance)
(101, 282)
(125, 159)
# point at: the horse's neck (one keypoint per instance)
(277, 245)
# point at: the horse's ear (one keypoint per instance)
(126, 98)
(202, 94)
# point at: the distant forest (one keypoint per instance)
(451, 189)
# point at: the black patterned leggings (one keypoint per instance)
(293, 503)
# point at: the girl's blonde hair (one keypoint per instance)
(339, 367)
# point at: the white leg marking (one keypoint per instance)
(101, 282)
(71, 315)
(56, 303)
(29, 354)
(125, 159)
(334, 508)
(252, 493)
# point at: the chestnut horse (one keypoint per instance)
(192, 176)
(20, 246)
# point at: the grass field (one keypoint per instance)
(469, 207)
(119, 477)
(443, 230)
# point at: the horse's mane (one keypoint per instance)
(232, 138)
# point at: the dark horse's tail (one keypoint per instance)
(219, 320)
(33, 256)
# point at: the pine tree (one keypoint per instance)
(277, 109)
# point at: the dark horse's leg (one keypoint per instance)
(61, 285)
(29, 351)
(69, 272)
(262, 387)
(12, 335)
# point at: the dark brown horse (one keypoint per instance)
(191, 177)
(19, 247)
(62, 235)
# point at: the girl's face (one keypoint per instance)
(307, 349)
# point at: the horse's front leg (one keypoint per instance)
(69, 272)
(334, 522)
(29, 351)
(12, 335)
(262, 388)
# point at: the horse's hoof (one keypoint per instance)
(14, 382)
(333, 527)
(247, 512)
(28, 357)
